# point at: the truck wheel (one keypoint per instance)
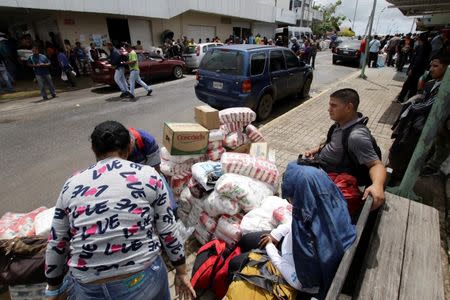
(306, 88)
(265, 107)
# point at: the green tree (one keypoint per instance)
(331, 21)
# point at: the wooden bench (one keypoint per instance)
(402, 259)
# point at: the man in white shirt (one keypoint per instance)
(374, 48)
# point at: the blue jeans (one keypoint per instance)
(134, 77)
(151, 283)
(119, 78)
(45, 80)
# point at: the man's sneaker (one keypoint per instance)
(149, 92)
(44, 99)
(54, 96)
(123, 95)
(131, 96)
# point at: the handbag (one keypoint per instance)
(22, 260)
(64, 76)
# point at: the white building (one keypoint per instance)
(101, 21)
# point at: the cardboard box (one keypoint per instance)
(242, 149)
(262, 150)
(185, 138)
(207, 116)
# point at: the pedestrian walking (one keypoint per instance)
(374, 48)
(315, 46)
(5, 77)
(40, 65)
(133, 63)
(68, 51)
(66, 68)
(119, 73)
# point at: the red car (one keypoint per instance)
(151, 68)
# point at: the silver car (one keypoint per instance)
(193, 54)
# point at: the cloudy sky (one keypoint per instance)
(391, 20)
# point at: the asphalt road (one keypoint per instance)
(43, 143)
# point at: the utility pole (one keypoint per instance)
(368, 39)
(354, 16)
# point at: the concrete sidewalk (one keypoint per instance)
(306, 126)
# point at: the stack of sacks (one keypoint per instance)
(233, 122)
(247, 165)
(228, 229)
(205, 228)
(247, 192)
(177, 168)
(261, 218)
(215, 147)
(215, 205)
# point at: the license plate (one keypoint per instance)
(218, 85)
(97, 70)
(345, 52)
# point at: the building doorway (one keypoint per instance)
(118, 30)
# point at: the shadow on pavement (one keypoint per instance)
(108, 89)
(390, 114)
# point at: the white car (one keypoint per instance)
(193, 54)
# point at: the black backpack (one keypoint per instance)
(361, 172)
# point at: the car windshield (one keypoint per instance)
(353, 44)
(223, 61)
(189, 50)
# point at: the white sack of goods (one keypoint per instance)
(248, 192)
(235, 126)
(257, 168)
(207, 173)
(214, 145)
(179, 182)
(235, 139)
(216, 135)
(18, 224)
(196, 189)
(192, 218)
(185, 201)
(215, 154)
(229, 227)
(237, 114)
(254, 134)
(169, 168)
(201, 234)
(208, 222)
(43, 222)
(260, 218)
(215, 205)
(282, 215)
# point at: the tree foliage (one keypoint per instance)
(331, 21)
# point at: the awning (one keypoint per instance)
(420, 7)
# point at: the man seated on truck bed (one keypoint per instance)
(350, 154)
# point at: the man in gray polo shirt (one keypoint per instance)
(343, 108)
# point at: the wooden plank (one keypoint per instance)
(382, 268)
(342, 271)
(422, 268)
